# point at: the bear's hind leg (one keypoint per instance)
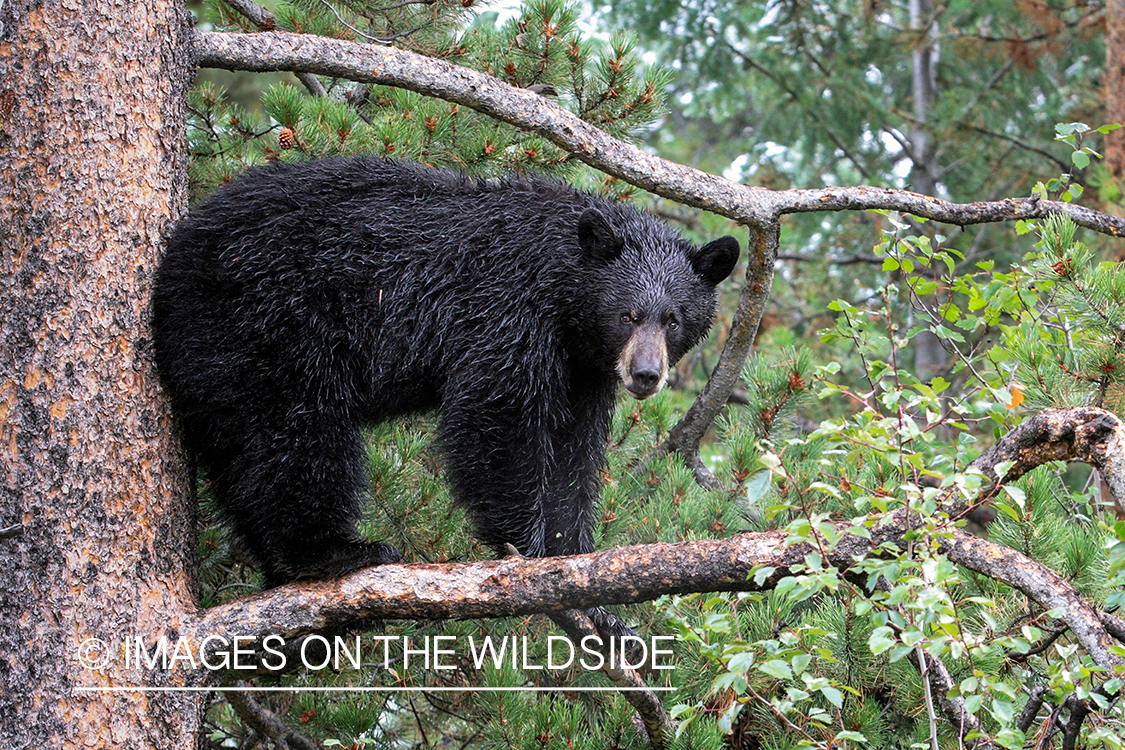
(294, 494)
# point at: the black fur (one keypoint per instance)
(302, 301)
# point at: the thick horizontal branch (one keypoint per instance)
(527, 110)
(497, 588)
(516, 586)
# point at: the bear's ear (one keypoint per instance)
(596, 237)
(715, 260)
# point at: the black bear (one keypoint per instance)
(302, 301)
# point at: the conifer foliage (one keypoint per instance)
(540, 49)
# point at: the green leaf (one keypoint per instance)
(881, 639)
(758, 486)
(800, 662)
(1001, 469)
(833, 696)
(1003, 710)
(776, 668)
(1018, 496)
(1080, 159)
(848, 734)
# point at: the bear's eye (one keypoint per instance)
(626, 318)
(673, 325)
(633, 317)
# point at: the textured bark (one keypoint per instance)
(1088, 434)
(496, 588)
(91, 170)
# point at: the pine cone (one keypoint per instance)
(286, 138)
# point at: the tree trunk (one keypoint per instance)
(930, 359)
(96, 515)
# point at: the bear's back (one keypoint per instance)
(362, 282)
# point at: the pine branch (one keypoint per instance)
(265, 722)
(577, 625)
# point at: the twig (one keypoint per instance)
(577, 625)
(266, 722)
(1079, 710)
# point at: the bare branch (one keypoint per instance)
(266, 21)
(498, 588)
(256, 14)
(686, 436)
(846, 260)
(1031, 708)
(754, 206)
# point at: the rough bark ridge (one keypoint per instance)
(94, 488)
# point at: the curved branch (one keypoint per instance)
(523, 108)
(946, 212)
(686, 436)
(1085, 433)
(754, 206)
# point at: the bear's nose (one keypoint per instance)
(645, 378)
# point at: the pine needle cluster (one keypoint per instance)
(541, 49)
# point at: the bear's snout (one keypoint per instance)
(643, 364)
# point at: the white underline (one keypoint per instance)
(244, 689)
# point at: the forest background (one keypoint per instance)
(872, 316)
(891, 355)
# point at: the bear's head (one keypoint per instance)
(654, 298)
